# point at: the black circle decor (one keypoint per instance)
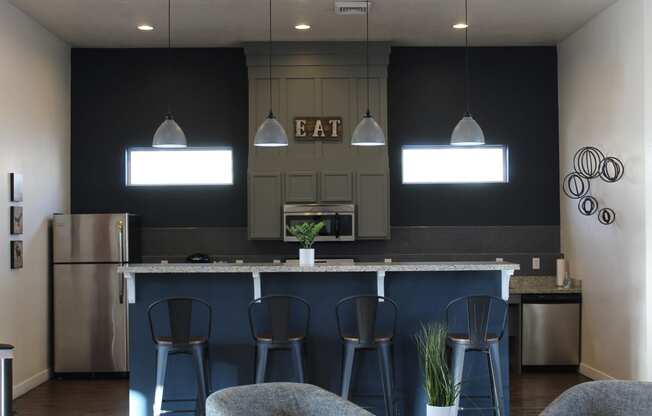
(588, 205)
(606, 216)
(587, 162)
(575, 186)
(611, 169)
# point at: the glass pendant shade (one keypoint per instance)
(368, 133)
(467, 133)
(169, 134)
(271, 134)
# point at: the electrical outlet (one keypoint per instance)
(536, 263)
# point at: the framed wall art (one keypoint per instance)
(16, 254)
(16, 220)
(16, 181)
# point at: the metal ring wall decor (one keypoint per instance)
(606, 216)
(587, 162)
(611, 169)
(575, 186)
(590, 163)
(588, 205)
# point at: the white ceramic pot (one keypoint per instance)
(306, 256)
(441, 411)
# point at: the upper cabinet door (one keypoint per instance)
(336, 186)
(265, 205)
(300, 187)
(372, 199)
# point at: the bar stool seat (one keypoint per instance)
(270, 338)
(377, 339)
(167, 341)
(465, 339)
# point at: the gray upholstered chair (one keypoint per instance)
(279, 399)
(604, 398)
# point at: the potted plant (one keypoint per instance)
(441, 391)
(306, 233)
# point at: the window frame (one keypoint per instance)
(504, 148)
(186, 149)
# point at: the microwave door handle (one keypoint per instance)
(337, 226)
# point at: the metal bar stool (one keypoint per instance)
(279, 322)
(371, 325)
(179, 339)
(484, 328)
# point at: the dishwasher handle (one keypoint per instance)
(552, 298)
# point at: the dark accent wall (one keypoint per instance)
(119, 98)
(514, 99)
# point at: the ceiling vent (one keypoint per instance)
(348, 8)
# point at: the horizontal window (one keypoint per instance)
(455, 164)
(189, 166)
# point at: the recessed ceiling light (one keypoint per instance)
(461, 25)
(302, 26)
(145, 28)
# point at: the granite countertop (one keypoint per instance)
(183, 268)
(539, 285)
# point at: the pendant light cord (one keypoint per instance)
(271, 113)
(467, 58)
(367, 63)
(169, 113)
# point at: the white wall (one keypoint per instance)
(602, 103)
(34, 141)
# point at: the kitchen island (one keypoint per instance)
(421, 289)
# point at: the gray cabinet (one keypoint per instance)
(300, 187)
(336, 187)
(265, 205)
(372, 200)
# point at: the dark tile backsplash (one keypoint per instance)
(511, 243)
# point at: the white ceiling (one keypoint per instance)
(207, 23)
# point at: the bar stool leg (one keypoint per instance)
(161, 368)
(386, 376)
(199, 359)
(261, 362)
(496, 380)
(209, 373)
(297, 359)
(457, 367)
(347, 369)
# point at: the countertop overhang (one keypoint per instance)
(255, 270)
(189, 268)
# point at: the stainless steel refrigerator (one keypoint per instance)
(90, 307)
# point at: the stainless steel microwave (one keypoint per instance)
(339, 220)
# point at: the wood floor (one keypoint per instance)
(530, 393)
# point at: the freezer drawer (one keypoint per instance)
(91, 238)
(90, 322)
(551, 334)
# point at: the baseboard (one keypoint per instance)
(31, 383)
(594, 374)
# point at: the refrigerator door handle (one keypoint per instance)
(121, 295)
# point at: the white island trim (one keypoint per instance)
(255, 269)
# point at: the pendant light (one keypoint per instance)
(468, 131)
(270, 133)
(368, 132)
(169, 134)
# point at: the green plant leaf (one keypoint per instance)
(306, 232)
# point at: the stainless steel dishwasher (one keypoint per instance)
(551, 329)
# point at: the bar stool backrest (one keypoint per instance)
(183, 316)
(279, 316)
(477, 318)
(366, 316)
